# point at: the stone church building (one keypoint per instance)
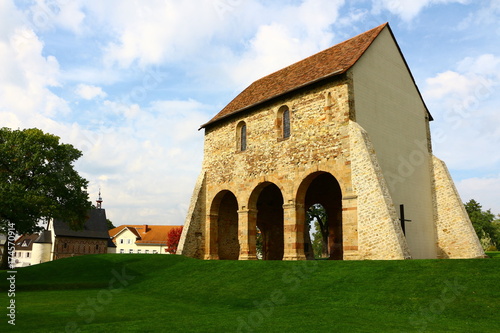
(346, 128)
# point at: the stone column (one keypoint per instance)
(294, 218)
(211, 246)
(247, 233)
(350, 226)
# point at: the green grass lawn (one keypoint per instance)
(168, 293)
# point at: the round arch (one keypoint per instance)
(224, 214)
(267, 200)
(323, 188)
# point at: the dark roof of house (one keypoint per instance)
(95, 226)
(45, 237)
(111, 243)
(331, 62)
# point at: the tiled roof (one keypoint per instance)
(25, 242)
(328, 63)
(149, 234)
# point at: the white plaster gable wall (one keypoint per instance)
(388, 106)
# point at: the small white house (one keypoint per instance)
(146, 239)
(23, 255)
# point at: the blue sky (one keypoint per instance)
(129, 82)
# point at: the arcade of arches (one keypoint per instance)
(232, 232)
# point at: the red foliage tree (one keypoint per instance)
(174, 235)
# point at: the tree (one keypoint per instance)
(110, 224)
(173, 237)
(484, 223)
(38, 182)
(317, 214)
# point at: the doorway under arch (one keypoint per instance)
(225, 208)
(324, 189)
(268, 201)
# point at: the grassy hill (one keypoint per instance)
(167, 293)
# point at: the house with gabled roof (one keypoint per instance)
(347, 129)
(58, 240)
(23, 246)
(147, 239)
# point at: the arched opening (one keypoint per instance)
(268, 201)
(225, 208)
(321, 189)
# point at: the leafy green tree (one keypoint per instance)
(484, 223)
(317, 214)
(38, 182)
(110, 224)
(259, 244)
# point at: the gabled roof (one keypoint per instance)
(25, 242)
(95, 226)
(146, 234)
(45, 237)
(333, 61)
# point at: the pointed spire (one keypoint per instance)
(99, 200)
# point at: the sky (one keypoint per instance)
(130, 82)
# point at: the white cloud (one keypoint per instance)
(408, 10)
(89, 92)
(48, 14)
(186, 26)
(295, 33)
(27, 74)
(466, 103)
(147, 165)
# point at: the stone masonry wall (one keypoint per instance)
(70, 246)
(455, 234)
(318, 142)
(323, 139)
(315, 136)
(191, 241)
(380, 234)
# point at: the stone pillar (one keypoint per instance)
(294, 217)
(247, 233)
(211, 231)
(350, 226)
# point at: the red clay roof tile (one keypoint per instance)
(155, 234)
(330, 62)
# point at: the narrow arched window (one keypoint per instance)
(329, 99)
(283, 123)
(286, 123)
(241, 136)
